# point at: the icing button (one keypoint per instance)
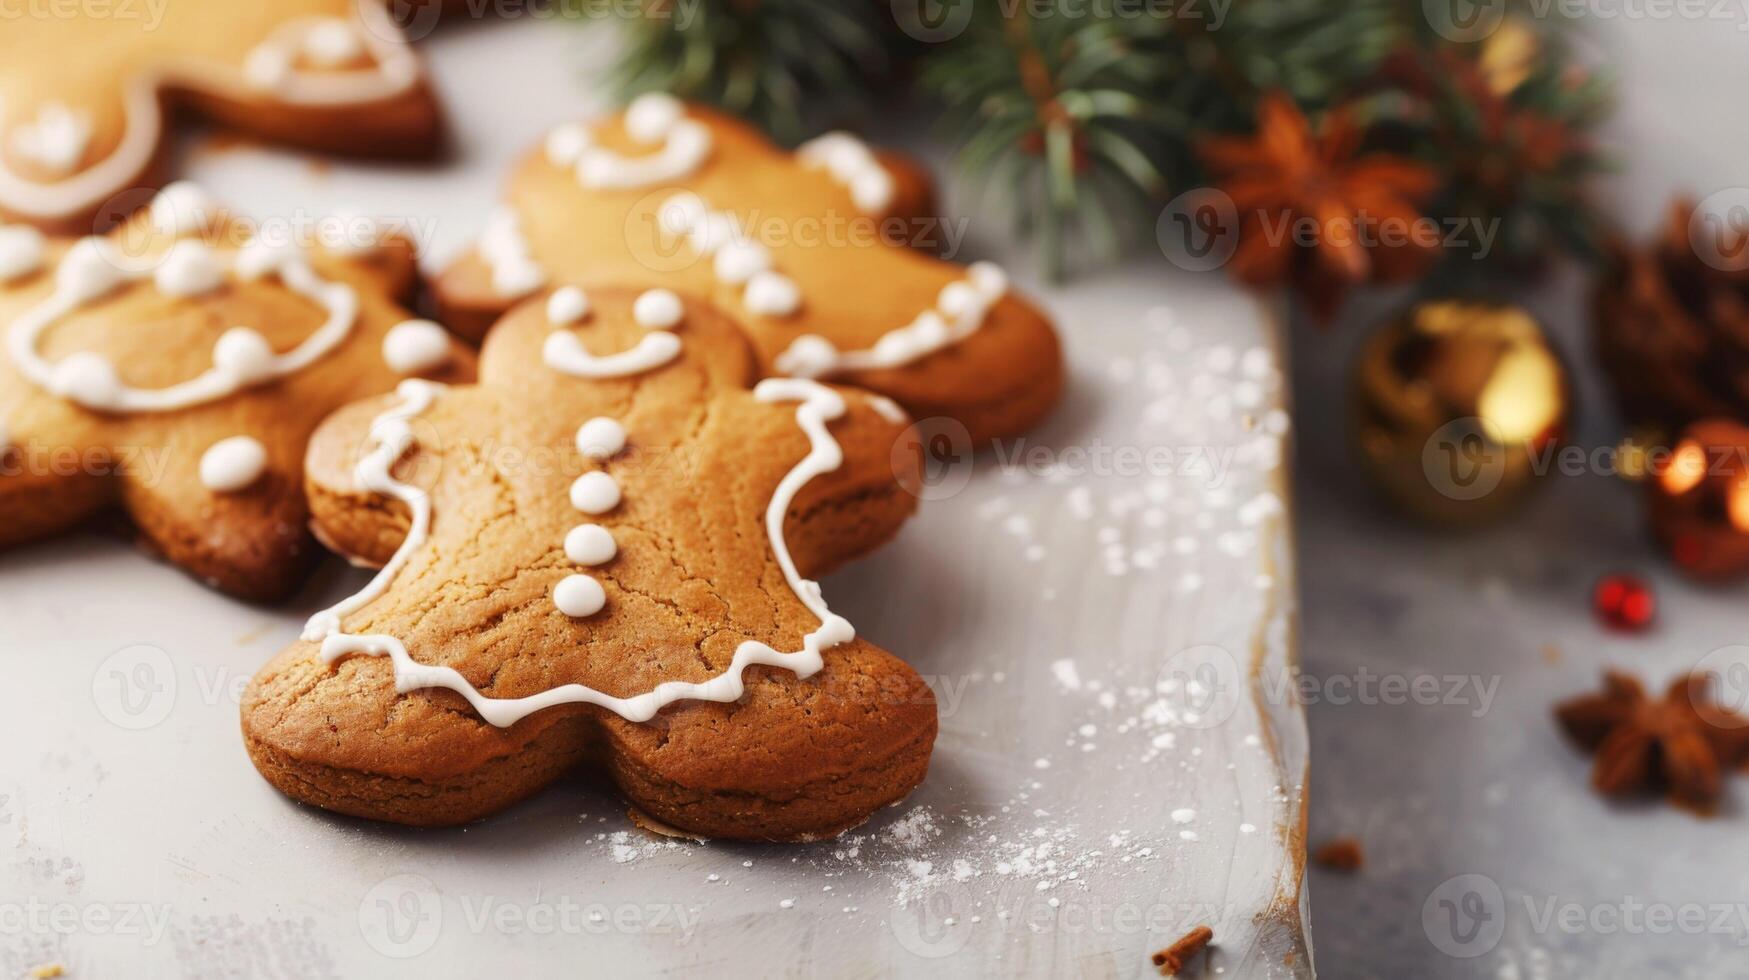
(578, 596)
(86, 378)
(601, 438)
(595, 493)
(772, 294)
(243, 354)
(657, 309)
(566, 306)
(413, 346)
(189, 269)
(590, 544)
(182, 207)
(232, 464)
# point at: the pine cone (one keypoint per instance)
(1673, 331)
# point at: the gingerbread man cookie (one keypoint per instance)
(601, 557)
(804, 251)
(176, 368)
(84, 93)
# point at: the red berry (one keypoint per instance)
(1624, 602)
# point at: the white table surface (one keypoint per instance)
(1437, 792)
(1075, 819)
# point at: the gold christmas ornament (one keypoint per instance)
(1456, 407)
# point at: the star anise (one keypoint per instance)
(1360, 211)
(1682, 742)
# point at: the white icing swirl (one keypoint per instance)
(567, 305)
(506, 252)
(853, 164)
(819, 405)
(92, 268)
(394, 70)
(960, 310)
(654, 118)
(232, 464)
(658, 309)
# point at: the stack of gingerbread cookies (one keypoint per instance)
(699, 361)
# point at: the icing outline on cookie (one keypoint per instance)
(960, 309)
(563, 352)
(393, 71)
(92, 269)
(654, 119)
(392, 436)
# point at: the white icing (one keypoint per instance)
(578, 596)
(232, 464)
(394, 71)
(413, 346)
(564, 352)
(390, 438)
(736, 259)
(772, 294)
(601, 438)
(654, 118)
(56, 139)
(93, 268)
(819, 405)
(189, 269)
(566, 142)
(888, 409)
(595, 493)
(21, 251)
(590, 544)
(853, 164)
(506, 252)
(658, 309)
(567, 305)
(741, 260)
(960, 310)
(182, 208)
(331, 42)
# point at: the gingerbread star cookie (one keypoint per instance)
(84, 93)
(806, 252)
(601, 557)
(175, 370)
